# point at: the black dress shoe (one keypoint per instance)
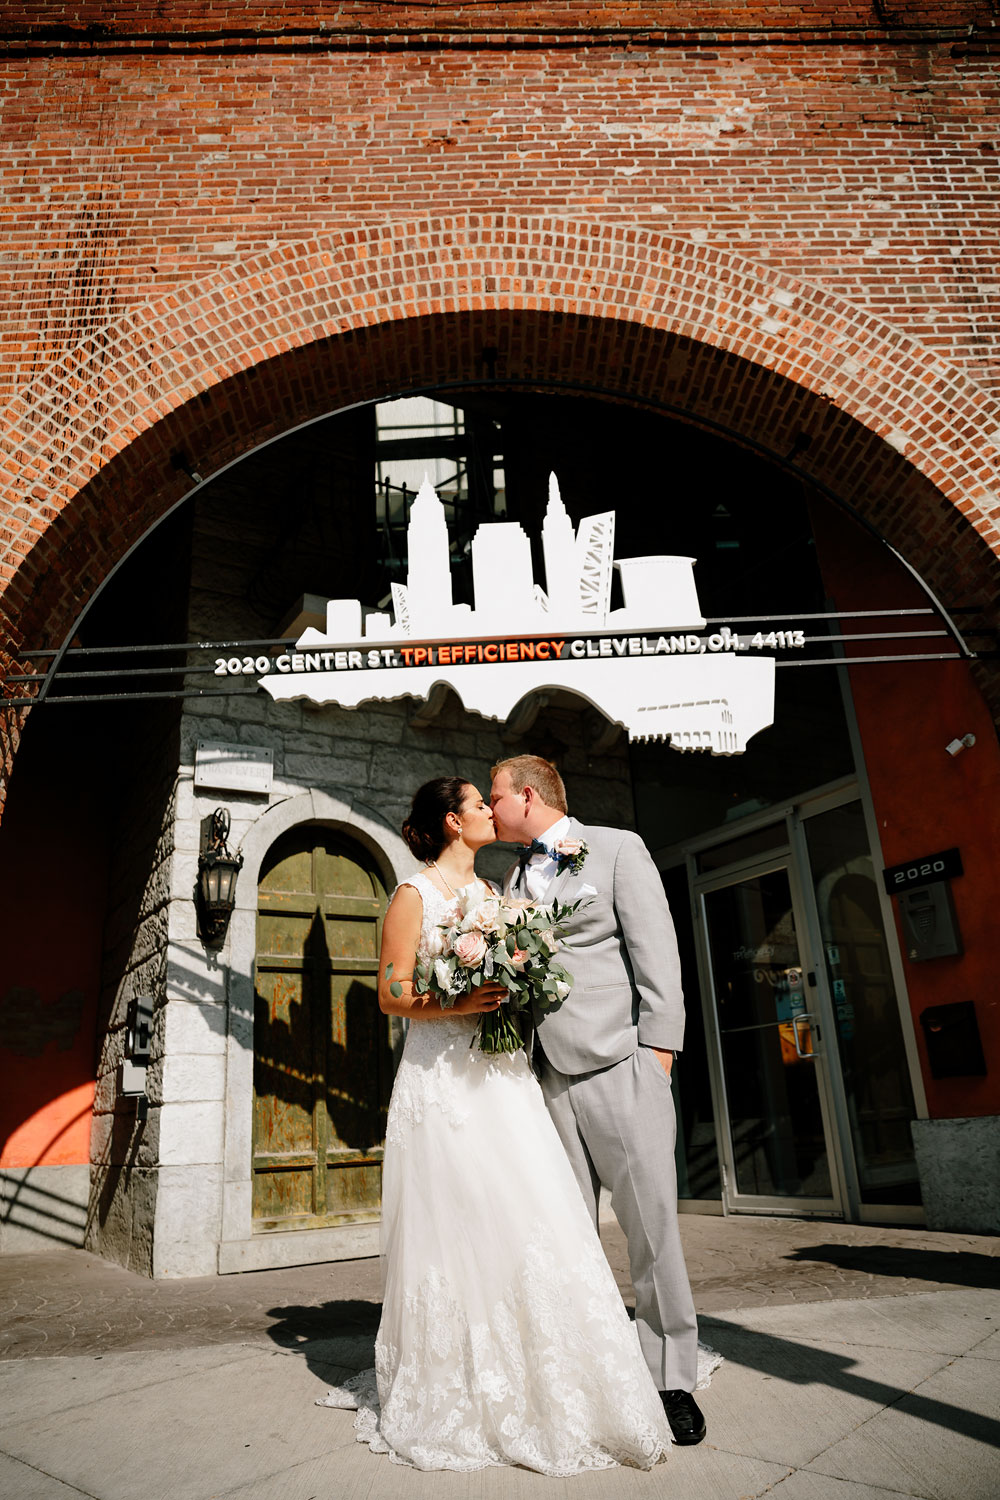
(686, 1421)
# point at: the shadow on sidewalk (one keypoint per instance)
(334, 1337)
(950, 1268)
(805, 1364)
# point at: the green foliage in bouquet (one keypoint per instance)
(512, 943)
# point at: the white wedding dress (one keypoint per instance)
(504, 1338)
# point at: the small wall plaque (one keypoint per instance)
(925, 870)
(234, 768)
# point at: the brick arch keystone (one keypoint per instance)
(253, 351)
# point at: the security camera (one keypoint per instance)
(956, 746)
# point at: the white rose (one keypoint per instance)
(468, 898)
(442, 975)
(436, 943)
(491, 918)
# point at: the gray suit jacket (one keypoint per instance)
(621, 951)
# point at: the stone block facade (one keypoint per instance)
(126, 1149)
(201, 1085)
(959, 1162)
(43, 1206)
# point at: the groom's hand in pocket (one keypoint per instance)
(665, 1059)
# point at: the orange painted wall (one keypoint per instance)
(53, 878)
(926, 800)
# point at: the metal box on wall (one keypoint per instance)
(929, 926)
(954, 1048)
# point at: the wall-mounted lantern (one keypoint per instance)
(218, 868)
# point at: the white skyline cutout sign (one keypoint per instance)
(644, 666)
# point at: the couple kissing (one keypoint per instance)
(504, 1339)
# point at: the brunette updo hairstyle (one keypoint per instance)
(424, 828)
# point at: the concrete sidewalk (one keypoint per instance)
(860, 1363)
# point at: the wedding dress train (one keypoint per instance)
(504, 1338)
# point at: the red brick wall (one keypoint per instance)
(592, 20)
(800, 203)
(867, 164)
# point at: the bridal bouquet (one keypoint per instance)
(512, 943)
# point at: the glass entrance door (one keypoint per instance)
(867, 1036)
(779, 1143)
(809, 1060)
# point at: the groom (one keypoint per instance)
(604, 1057)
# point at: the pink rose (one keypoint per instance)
(518, 957)
(470, 949)
(570, 847)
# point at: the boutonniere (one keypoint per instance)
(570, 854)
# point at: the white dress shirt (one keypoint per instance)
(540, 871)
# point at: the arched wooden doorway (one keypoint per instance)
(322, 1058)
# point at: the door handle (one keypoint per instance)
(801, 1016)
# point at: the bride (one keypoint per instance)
(503, 1339)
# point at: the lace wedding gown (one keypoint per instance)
(504, 1338)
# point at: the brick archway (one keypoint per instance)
(516, 299)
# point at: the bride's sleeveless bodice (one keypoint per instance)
(440, 1052)
(430, 1035)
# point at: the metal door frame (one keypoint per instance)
(789, 853)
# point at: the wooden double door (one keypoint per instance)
(322, 1048)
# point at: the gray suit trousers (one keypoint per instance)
(618, 1127)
